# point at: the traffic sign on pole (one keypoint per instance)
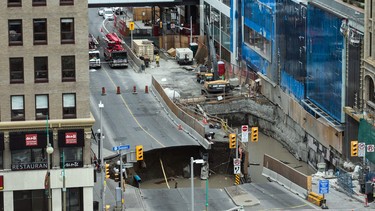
(370, 148)
(361, 149)
(122, 147)
(323, 186)
(237, 166)
(245, 133)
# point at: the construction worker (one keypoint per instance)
(157, 58)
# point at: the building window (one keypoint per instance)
(14, 3)
(66, 2)
(15, 32)
(68, 68)
(74, 199)
(41, 107)
(67, 30)
(257, 42)
(29, 157)
(40, 31)
(16, 70)
(73, 157)
(69, 106)
(370, 44)
(32, 200)
(18, 108)
(39, 2)
(41, 69)
(1, 164)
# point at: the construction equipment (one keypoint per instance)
(144, 49)
(203, 75)
(94, 53)
(184, 56)
(215, 87)
(114, 52)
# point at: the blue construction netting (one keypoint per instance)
(324, 80)
(291, 43)
(259, 36)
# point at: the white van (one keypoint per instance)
(108, 14)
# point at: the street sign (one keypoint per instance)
(237, 170)
(236, 162)
(123, 147)
(245, 133)
(237, 166)
(323, 186)
(370, 148)
(361, 149)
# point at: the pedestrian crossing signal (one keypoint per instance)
(232, 141)
(354, 148)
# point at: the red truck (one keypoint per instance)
(114, 52)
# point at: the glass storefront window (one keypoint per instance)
(74, 198)
(29, 156)
(33, 200)
(1, 160)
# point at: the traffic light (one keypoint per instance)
(232, 141)
(161, 24)
(254, 134)
(139, 152)
(106, 165)
(131, 26)
(354, 148)
(117, 177)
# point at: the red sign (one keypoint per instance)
(31, 139)
(244, 128)
(71, 138)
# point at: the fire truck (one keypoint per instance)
(114, 52)
(94, 54)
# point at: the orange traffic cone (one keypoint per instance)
(205, 121)
(103, 90)
(134, 89)
(179, 127)
(118, 90)
(146, 89)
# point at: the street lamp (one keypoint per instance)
(192, 161)
(49, 150)
(101, 106)
(191, 29)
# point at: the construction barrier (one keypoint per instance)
(316, 199)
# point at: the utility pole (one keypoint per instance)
(101, 106)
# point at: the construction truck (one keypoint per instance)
(94, 53)
(114, 52)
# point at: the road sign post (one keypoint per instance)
(361, 149)
(245, 134)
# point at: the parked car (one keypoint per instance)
(108, 14)
(100, 11)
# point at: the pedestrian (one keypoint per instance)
(157, 58)
(175, 184)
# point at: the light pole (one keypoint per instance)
(101, 106)
(64, 187)
(192, 161)
(49, 150)
(190, 29)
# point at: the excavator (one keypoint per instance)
(213, 86)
